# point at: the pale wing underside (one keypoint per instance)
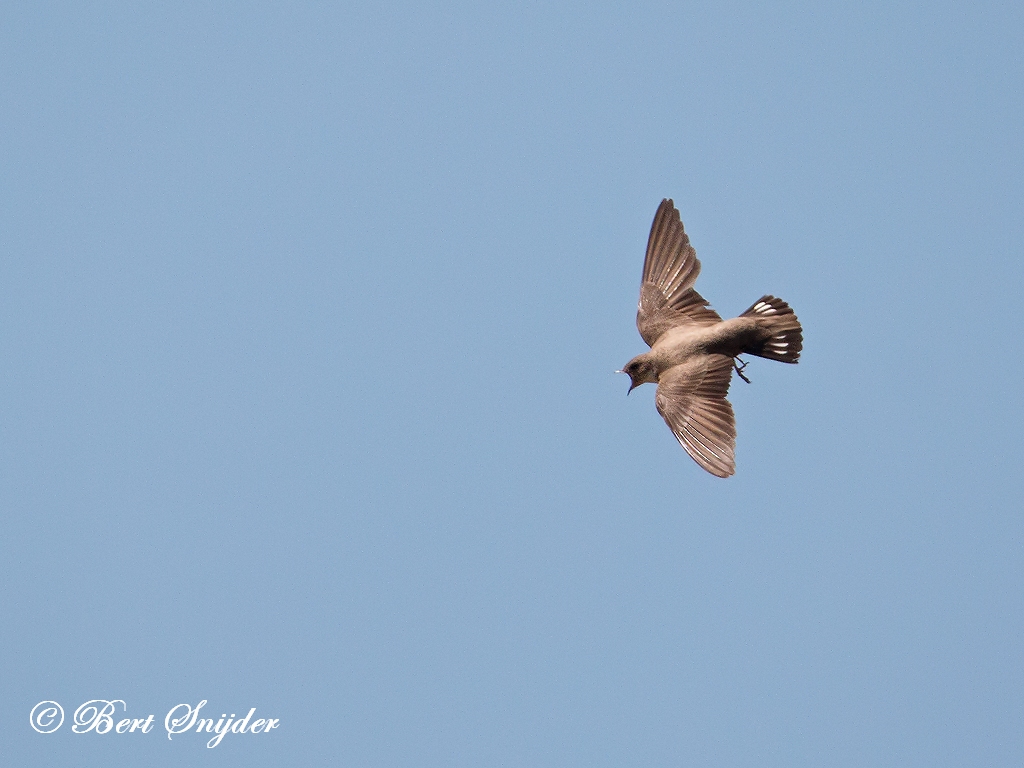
(691, 399)
(667, 298)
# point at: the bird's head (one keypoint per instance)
(641, 370)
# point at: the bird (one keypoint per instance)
(693, 351)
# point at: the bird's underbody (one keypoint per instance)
(693, 351)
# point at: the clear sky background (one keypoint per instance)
(308, 321)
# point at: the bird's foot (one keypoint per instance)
(740, 365)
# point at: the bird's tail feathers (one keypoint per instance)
(781, 337)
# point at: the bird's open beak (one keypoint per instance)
(632, 384)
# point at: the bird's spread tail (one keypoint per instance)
(781, 337)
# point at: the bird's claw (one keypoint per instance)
(740, 365)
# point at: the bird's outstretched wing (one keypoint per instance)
(691, 399)
(667, 298)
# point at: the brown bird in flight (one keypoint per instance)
(693, 351)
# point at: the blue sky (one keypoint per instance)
(309, 314)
